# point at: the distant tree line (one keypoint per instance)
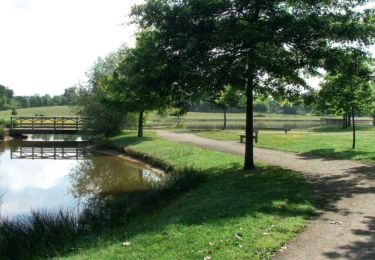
(9, 101)
(6, 98)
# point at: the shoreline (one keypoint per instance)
(139, 162)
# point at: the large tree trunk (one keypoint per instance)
(249, 147)
(373, 120)
(140, 124)
(225, 118)
(353, 146)
(344, 121)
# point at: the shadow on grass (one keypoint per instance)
(339, 129)
(331, 154)
(127, 139)
(225, 194)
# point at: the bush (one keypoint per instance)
(14, 111)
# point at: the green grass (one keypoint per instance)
(238, 116)
(47, 111)
(329, 141)
(264, 208)
(206, 121)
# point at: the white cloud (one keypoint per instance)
(48, 45)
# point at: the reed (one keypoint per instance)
(48, 234)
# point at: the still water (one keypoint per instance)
(53, 175)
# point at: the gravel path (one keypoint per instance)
(345, 191)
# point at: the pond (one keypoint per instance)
(62, 173)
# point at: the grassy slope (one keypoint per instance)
(331, 142)
(265, 208)
(47, 111)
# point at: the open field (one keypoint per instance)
(47, 111)
(192, 120)
(195, 120)
(231, 215)
(331, 142)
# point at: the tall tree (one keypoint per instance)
(347, 88)
(229, 97)
(141, 77)
(107, 117)
(265, 46)
(6, 98)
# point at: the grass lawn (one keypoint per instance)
(231, 215)
(47, 111)
(237, 116)
(330, 142)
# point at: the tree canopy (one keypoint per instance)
(265, 46)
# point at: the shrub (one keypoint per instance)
(14, 111)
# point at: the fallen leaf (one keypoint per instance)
(207, 258)
(335, 222)
(238, 236)
(283, 248)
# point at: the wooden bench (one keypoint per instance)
(255, 136)
(276, 129)
(256, 131)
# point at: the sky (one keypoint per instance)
(49, 45)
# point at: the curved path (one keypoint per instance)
(345, 190)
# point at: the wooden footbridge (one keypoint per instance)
(46, 125)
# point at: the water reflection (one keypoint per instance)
(55, 150)
(53, 184)
(105, 176)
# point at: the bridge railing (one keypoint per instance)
(43, 122)
(45, 150)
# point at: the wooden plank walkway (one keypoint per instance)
(46, 125)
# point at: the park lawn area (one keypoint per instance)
(329, 142)
(237, 116)
(232, 214)
(32, 111)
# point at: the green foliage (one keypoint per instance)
(6, 98)
(262, 46)
(260, 108)
(106, 115)
(349, 85)
(103, 118)
(229, 97)
(14, 111)
(204, 221)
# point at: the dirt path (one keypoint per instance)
(345, 227)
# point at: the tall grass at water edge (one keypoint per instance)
(49, 234)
